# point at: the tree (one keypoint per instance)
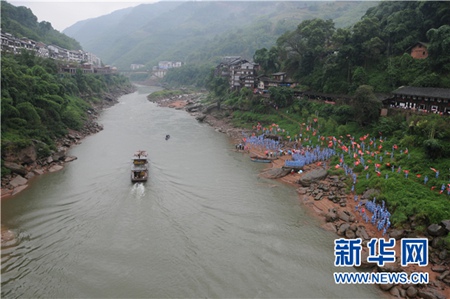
(365, 105)
(439, 48)
(282, 96)
(267, 59)
(307, 46)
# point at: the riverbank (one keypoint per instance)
(25, 165)
(327, 199)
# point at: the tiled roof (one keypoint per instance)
(423, 92)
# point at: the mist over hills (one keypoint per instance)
(195, 32)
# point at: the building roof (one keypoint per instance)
(423, 92)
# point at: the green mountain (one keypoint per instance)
(21, 22)
(201, 31)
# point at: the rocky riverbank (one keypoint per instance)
(327, 198)
(25, 164)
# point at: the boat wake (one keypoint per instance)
(138, 190)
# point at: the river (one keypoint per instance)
(204, 225)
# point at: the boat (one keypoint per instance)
(139, 167)
(262, 159)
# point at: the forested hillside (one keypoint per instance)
(374, 51)
(21, 22)
(39, 103)
(198, 32)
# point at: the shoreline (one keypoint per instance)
(23, 177)
(320, 208)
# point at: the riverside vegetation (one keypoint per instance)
(41, 105)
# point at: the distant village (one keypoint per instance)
(241, 73)
(71, 60)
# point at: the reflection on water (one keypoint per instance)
(203, 225)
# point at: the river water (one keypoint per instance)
(204, 225)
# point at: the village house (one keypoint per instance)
(161, 69)
(135, 66)
(418, 51)
(165, 65)
(11, 44)
(420, 99)
(239, 72)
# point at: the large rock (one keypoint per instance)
(428, 294)
(369, 194)
(70, 158)
(345, 215)
(19, 189)
(362, 233)
(28, 155)
(364, 263)
(397, 234)
(275, 173)
(446, 224)
(55, 168)
(16, 168)
(331, 215)
(386, 286)
(344, 226)
(18, 181)
(60, 154)
(312, 177)
(436, 230)
(411, 292)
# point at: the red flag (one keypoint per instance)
(432, 188)
(418, 175)
(378, 173)
(433, 169)
(377, 165)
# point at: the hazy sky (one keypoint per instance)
(64, 13)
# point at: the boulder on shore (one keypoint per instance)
(274, 173)
(16, 168)
(312, 176)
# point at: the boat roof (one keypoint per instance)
(140, 154)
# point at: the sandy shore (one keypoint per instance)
(318, 208)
